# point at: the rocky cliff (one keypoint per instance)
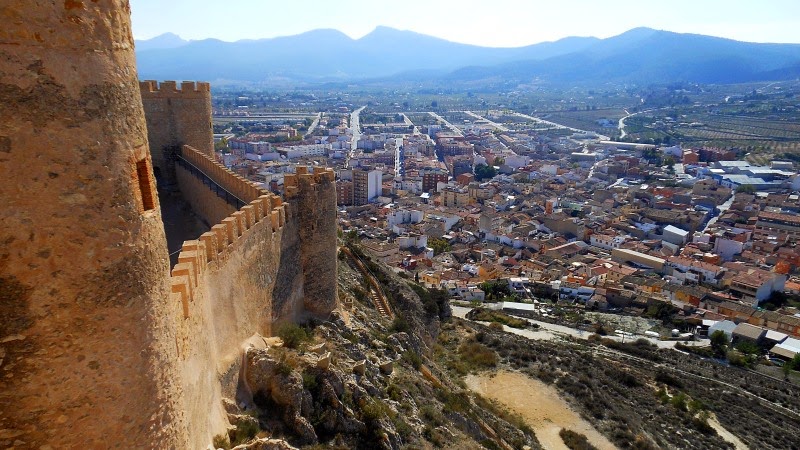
(362, 380)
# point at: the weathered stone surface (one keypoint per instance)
(318, 348)
(324, 361)
(83, 260)
(267, 376)
(360, 367)
(387, 367)
(266, 444)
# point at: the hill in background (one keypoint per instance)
(641, 55)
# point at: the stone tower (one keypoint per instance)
(85, 347)
(176, 117)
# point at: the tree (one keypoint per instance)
(439, 246)
(746, 189)
(792, 364)
(719, 343)
(351, 237)
(221, 145)
(495, 290)
(483, 172)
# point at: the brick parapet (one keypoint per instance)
(170, 89)
(241, 188)
(267, 214)
(292, 182)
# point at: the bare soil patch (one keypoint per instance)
(539, 404)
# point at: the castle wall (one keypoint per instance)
(176, 116)
(234, 281)
(250, 272)
(86, 335)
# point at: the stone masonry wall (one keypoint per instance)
(314, 196)
(176, 117)
(86, 341)
(100, 344)
(206, 204)
(231, 283)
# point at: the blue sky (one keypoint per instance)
(495, 23)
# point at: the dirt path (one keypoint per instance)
(539, 404)
(727, 435)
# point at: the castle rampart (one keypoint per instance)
(213, 191)
(250, 271)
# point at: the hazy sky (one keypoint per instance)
(496, 23)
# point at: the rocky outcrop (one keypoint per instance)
(363, 384)
(274, 380)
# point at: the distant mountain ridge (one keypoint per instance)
(640, 55)
(166, 40)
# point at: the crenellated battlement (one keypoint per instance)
(237, 185)
(170, 89)
(266, 215)
(292, 182)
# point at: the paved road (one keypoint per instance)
(494, 124)
(409, 122)
(621, 124)
(722, 208)
(559, 126)
(448, 124)
(355, 128)
(549, 331)
(313, 126)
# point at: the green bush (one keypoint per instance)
(575, 441)
(413, 358)
(374, 410)
(477, 355)
(487, 315)
(394, 392)
(400, 325)
(310, 382)
(748, 348)
(221, 441)
(293, 335)
(679, 402)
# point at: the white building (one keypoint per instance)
(303, 151)
(675, 235)
(403, 216)
(412, 240)
(607, 242)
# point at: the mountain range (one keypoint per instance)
(640, 55)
